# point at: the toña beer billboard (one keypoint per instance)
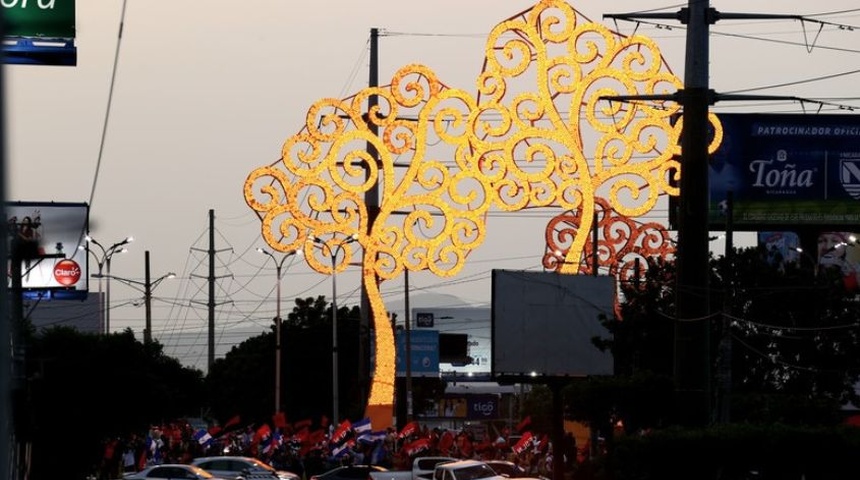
(787, 171)
(49, 234)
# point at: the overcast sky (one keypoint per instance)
(207, 91)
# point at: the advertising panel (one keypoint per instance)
(840, 251)
(787, 170)
(468, 407)
(835, 252)
(39, 32)
(781, 247)
(50, 234)
(474, 323)
(544, 323)
(424, 346)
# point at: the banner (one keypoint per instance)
(786, 170)
(424, 346)
(50, 234)
(39, 32)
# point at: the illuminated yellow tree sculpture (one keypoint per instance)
(537, 134)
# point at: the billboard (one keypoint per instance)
(787, 170)
(424, 346)
(50, 234)
(39, 32)
(543, 324)
(468, 407)
(840, 252)
(474, 323)
(834, 252)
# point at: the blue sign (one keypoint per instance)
(787, 169)
(424, 346)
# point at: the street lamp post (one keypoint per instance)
(334, 370)
(278, 272)
(147, 286)
(103, 262)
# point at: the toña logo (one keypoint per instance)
(849, 176)
(781, 175)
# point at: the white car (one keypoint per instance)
(465, 470)
(242, 468)
(172, 471)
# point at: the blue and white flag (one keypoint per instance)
(362, 426)
(202, 436)
(370, 438)
(342, 450)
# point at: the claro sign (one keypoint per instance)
(39, 32)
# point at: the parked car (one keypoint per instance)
(509, 469)
(242, 468)
(465, 470)
(172, 471)
(349, 472)
(422, 469)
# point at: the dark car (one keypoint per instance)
(172, 471)
(349, 472)
(242, 468)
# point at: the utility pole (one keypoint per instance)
(147, 299)
(692, 359)
(6, 338)
(148, 286)
(692, 351)
(724, 356)
(408, 346)
(371, 201)
(211, 303)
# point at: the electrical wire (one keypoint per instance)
(109, 104)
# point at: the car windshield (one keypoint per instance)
(474, 472)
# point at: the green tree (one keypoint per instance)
(81, 389)
(242, 383)
(795, 342)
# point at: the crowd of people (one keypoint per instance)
(309, 451)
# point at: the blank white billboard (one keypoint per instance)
(543, 324)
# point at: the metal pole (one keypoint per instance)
(595, 263)
(371, 200)
(101, 300)
(692, 372)
(278, 341)
(725, 347)
(6, 338)
(211, 302)
(147, 296)
(107, 295)
(334, 369)
(408, 348)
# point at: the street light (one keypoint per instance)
(103, 261)
(278, 269)
(148, 286)
(334, 252)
